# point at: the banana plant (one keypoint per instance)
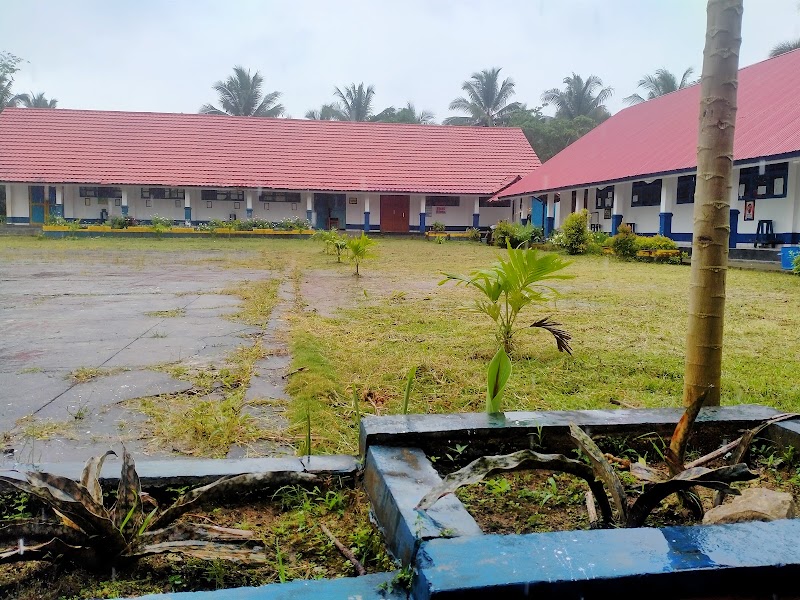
(511, 284)
(96, 536)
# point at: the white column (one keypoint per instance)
(248, 203)
(124, 201)
(310, 216)
(793, 194)
(187, 207)
(669, 191)
(366, 214)
(591, 203)
(622, 198)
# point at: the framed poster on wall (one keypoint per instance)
(607, 213)
(750, 210)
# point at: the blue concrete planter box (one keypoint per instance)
(454, 559)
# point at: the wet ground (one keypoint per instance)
(59, 318)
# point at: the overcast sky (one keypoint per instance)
(150, 55)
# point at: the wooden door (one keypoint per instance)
(394, 214)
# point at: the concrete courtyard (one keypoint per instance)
(116, 322)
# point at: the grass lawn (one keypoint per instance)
(628, 322)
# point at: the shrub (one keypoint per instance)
(624, 243)
(796, 264)
(161, 223)
(218, 224)
(516, 234)
(292, 223)
(117, 222)
(61, 221)
(576, 233)
(597, 241)
(655, 242)
(261, 223)
(438, 227)
(242, 225)
(473, 234)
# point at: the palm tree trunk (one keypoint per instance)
(712, 202)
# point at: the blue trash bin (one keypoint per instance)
(787, 256)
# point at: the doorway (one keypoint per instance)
(330, 211)
(394, 214)
(40, 205)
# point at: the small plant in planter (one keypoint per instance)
(95, 536)
(438, 227)
(160, 224)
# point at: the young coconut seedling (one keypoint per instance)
(511, 284)
(95, 536)
(359, 249)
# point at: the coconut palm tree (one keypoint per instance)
(407, 114)
(662, 82)
(240, 95)
(7, 96)
(784, 47)
(36, 101)
(355, 102)
(486, 101)
(326, 113)
(580, 98)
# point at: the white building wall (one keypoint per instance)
(18, 201)
(453, 216)
(645, 217)
(490, 216)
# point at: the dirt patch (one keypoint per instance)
(286, 522)
(324, 291)
(540, 501)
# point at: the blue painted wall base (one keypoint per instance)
(57, 210)
(124, 210)
(249, 213)
(616, 221)
(665, 224)
(734, 239)
(366, 221)
(422, 216)
(309, 215)
(187, 214)
(476, 219)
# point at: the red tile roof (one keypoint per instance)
(99, 147)
(660, 136)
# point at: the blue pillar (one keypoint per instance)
(549, 226)
(422, 222)
(57, 210)
(665, 224)
(309, 215)
(124, 210)
(616, 221)
(476, 217)
(734, 228)
(187, 214)
(366, 221)
(249, 212)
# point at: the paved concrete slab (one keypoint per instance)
(100, 309)
(93, 395)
